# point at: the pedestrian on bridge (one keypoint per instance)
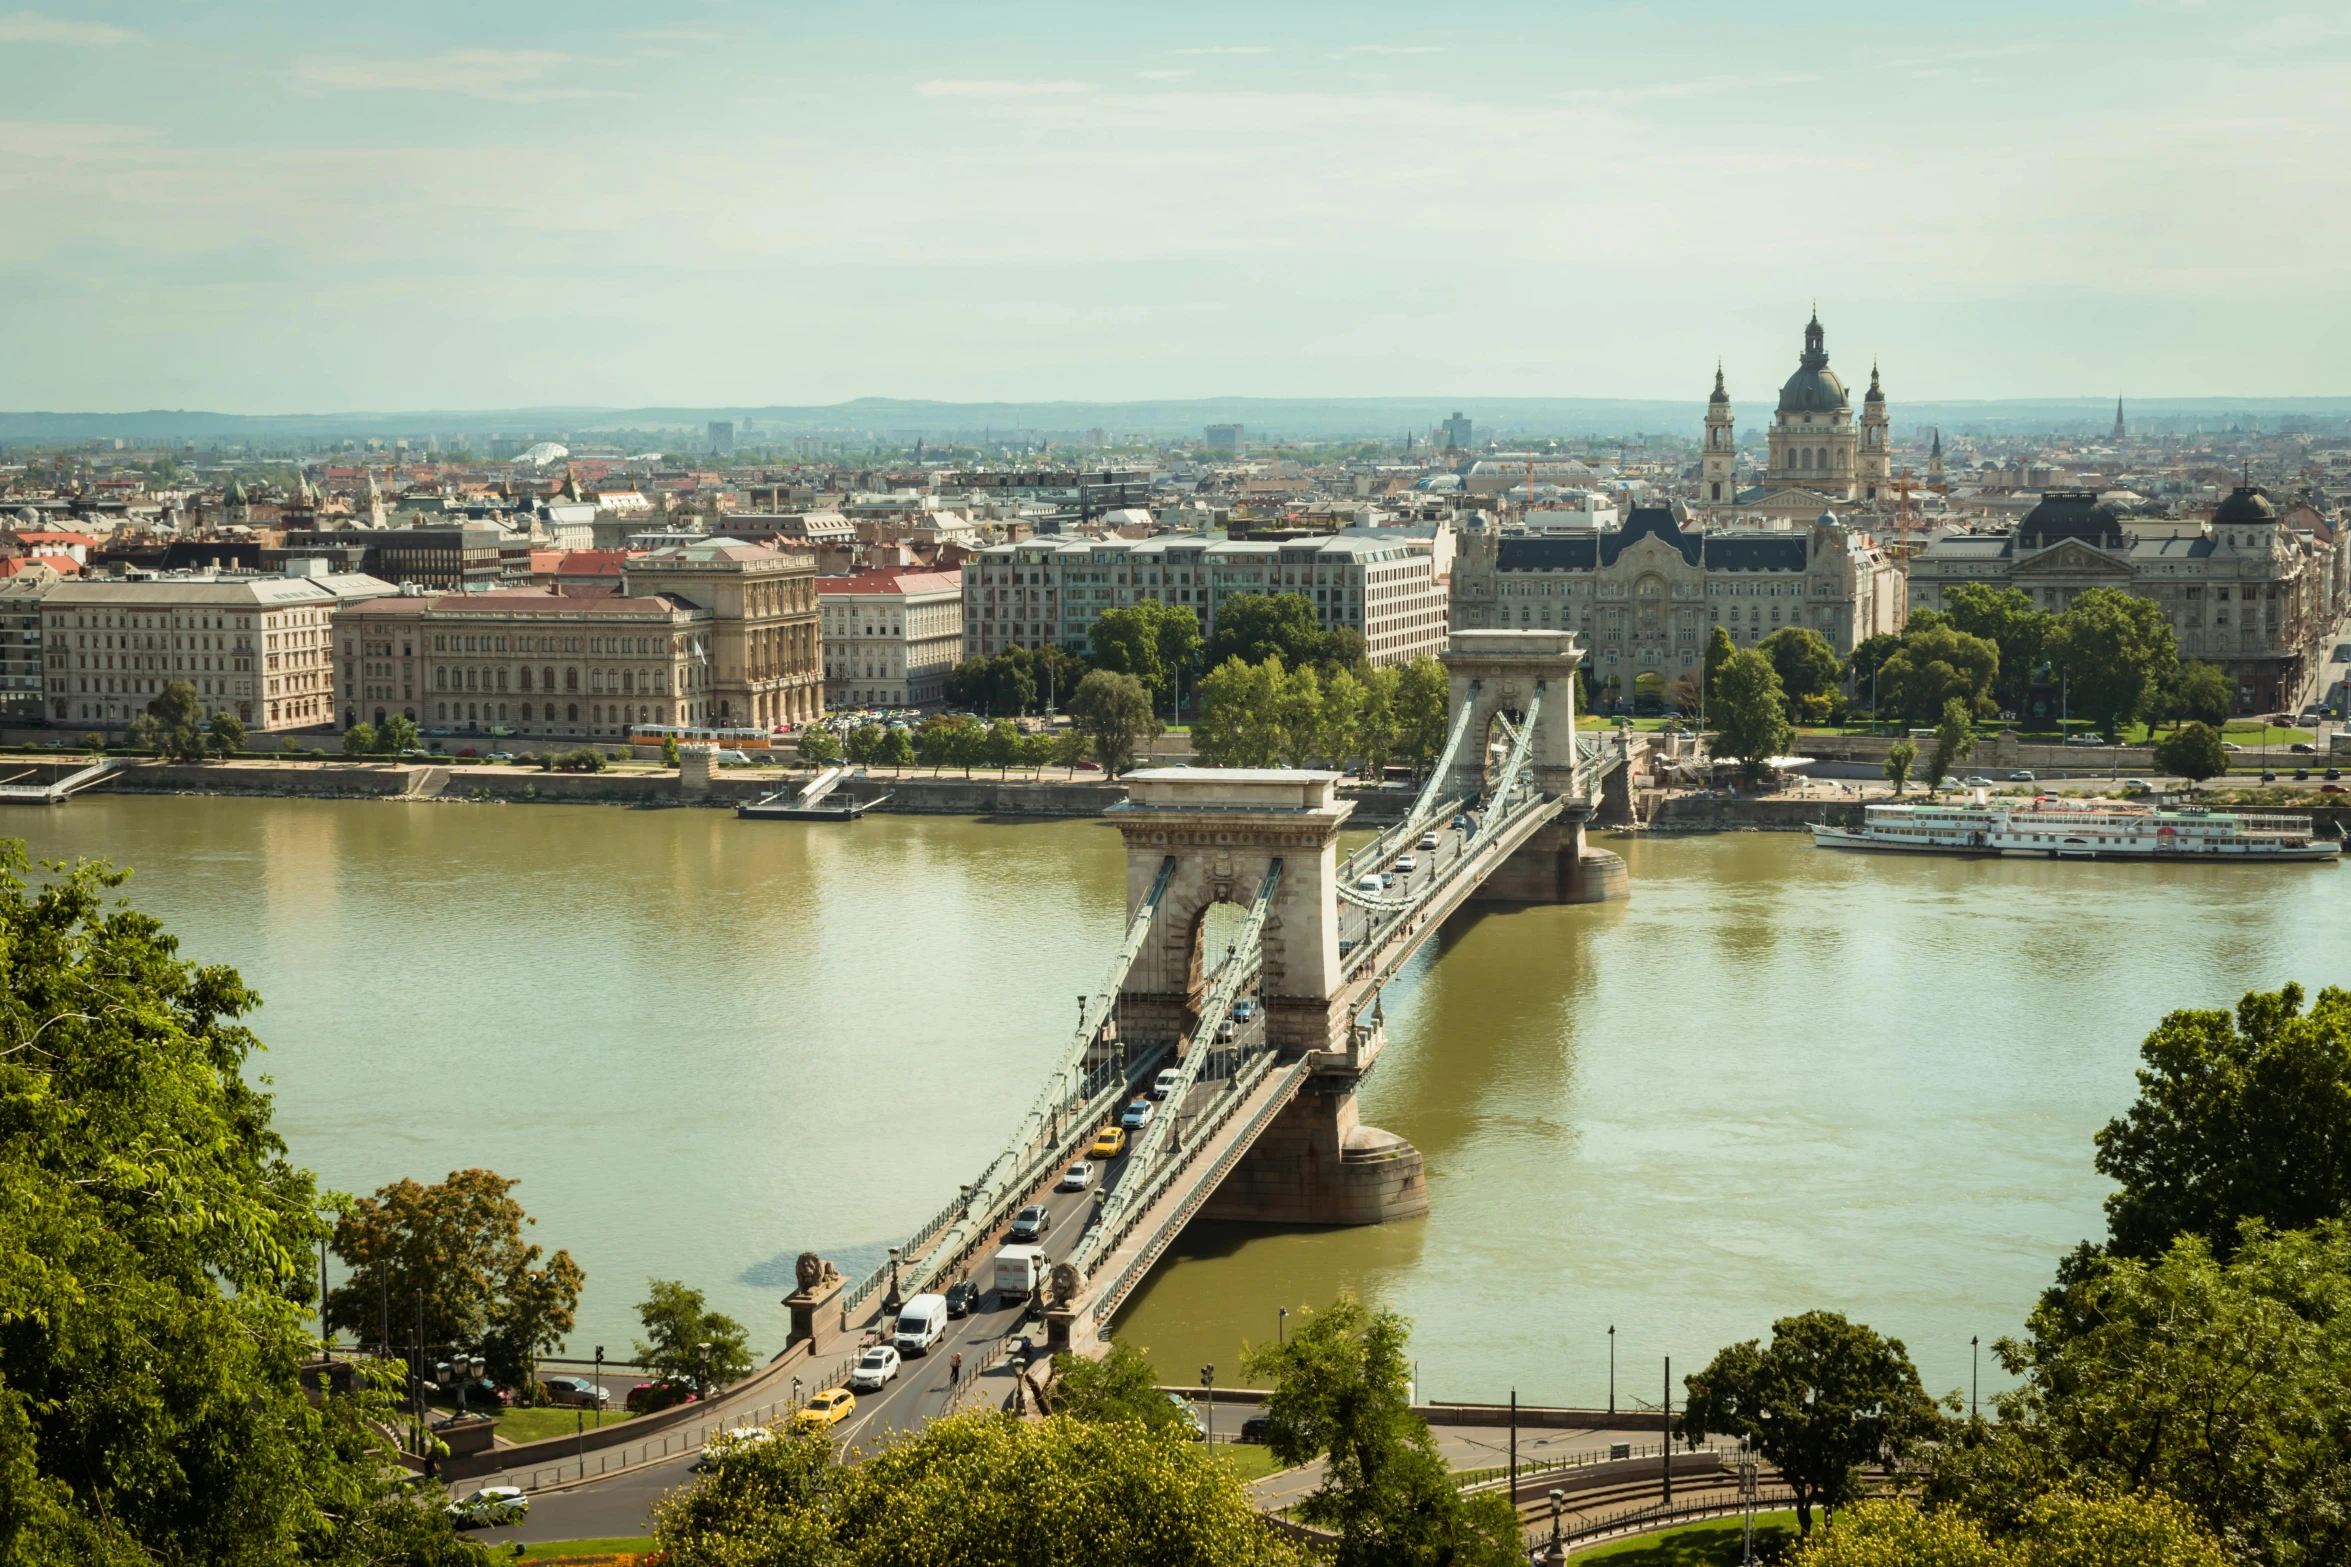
(954, 1370)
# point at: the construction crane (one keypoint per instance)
(1902, 484)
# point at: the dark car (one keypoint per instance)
(1254, 1428)
(647, 1397)
(2303, 748)
(482, 1393)
(2269, 778)
(1029, 1224)
(2301, 775)
(961, 1296)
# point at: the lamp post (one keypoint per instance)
(702, 1367)
(890, 1302)
(1281, 1327)
(599, 1387)
(1208, 1389)
(1612, 1368)
(1558, 1498)
(1974, 1369)
(1747, 1495)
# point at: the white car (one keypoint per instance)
(1979, 781)
(2230, 745)
(489, 1508)
(874, 1369)
(1164, 1083)
(725, 1444)
(1406, 864)
(1076, 1177)
(1367, 884)
(1428, 840)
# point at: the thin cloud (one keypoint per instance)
(1229, 49)
(30, 27)
(1390, 49)
(500, 75)
(978, 89)
(1161, 76)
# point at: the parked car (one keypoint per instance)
(646, 1397)
(1254, 1428)
(489, 1508)
(2333, 789)
(502, 731)
(1076, 1178)
(576, 1392)
(1164, 1083)
(1138, 1115)
(481, 1394)
(962, 1295)
(1029, 1225)
(1089, 767)
(874, 1369)
(827, 1408)
(1109, 1143)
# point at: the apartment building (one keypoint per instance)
(258, 647)
(708, 633)
(890, 637)
(22, 669)
(1382, 582)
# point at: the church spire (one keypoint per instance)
(2118, 424)
(1720, 395)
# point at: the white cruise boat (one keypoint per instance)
(2054, 827)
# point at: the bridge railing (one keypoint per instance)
(1425, 807)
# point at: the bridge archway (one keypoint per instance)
(1494, 672)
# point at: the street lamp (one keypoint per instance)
(599, 1387)
(1208, 1388)
(795, 1392)
(890, 1302)
(1974, 1368)
(1281, 1328)
(1558, 1498)
(1612, 1368)
(702, 1365)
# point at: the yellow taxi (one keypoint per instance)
(826, 1409)
(1109, 1143)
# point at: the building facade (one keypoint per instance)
(1644, 598)
(890, 637)
(258, 647)
(1820, 455)
(710, 633)
(1383, 583)
(2243, 591)
(23, 671)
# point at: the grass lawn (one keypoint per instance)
(556, 1550)
(531, 1425)
(1715, 1543)
(1248, 1460)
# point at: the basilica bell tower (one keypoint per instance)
(1717, 477)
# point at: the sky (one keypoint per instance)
(268, 207)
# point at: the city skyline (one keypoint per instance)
(590, 207)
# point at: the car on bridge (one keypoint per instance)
(1244, 1009)
(1367, 883)
(1076, 1177)
(828, 1408)
(1406, 864)
(1031, 1223)
(874, 1369)
(1164, 1084)
(1109, 1143)
(1138, 1115)
(962, 1295)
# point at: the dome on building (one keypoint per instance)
(2070, 514)
(2247, 507)
(1814, 388)
(1876, 393)
(541, 454)
(1720, 396)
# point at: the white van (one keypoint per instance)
(920, 1322)
(1019, 1270)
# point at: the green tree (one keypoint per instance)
(2006, 618)
(1424, 695)
(1868, 661)
(1126, 642)
(1342, 1392)
(2116, 650)
(1807, 667)
(359, 740)
(2238, 1117)
(684, 1339)
(2062, 1530)
(2203, 694)
(1901, 756)
(1825, 1399)
(976, 1487)
(1036, 749)
(1001, 745)
(1719, 648)
(459, 1246)
(1299, 716)
(1254, 627)
(1120, 1385)
(2225, 1385)
(818, 746)
(1748, 716)
(398, 734)
(1069, 748)
(1238, 720)
(1340, 739)
(897, 750)
(1954, 743)
(156, 1249)
(2193, 751)
(865, 744)
(180, 714)
(669, 751)
(1115, 712)
(227, 732)
(1377, 734)
(1934, 665)
(950, 742)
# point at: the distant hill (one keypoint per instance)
(1266, 419)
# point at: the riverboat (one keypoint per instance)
(2053, 827)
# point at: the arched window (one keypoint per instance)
(627, 681)
(571, 713)
(571, 681)
(526, 677)
(441, 681)
(501, 681)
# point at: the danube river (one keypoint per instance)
(1774, 1079)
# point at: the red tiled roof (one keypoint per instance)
(892, 582)
(585, 563)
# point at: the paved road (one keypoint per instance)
(1355, 921)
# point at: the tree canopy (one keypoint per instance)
(978, 1487)
(1254, 627)
(2061, 1530)
(1808, 671)
(2115, 650)
(2006, 618)
(678, 1321)
(1824, 1399)
(1342, 1392)
(2193, 751)
(2238, 1117)
(1935, 664)
(1115, 712)
(1120, 1385)
(1748, 714)
(156, 1247)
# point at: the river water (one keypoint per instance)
(1773, 1079)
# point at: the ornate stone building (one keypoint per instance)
(2243, 591)
(1645, 597)
(1820, 455)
